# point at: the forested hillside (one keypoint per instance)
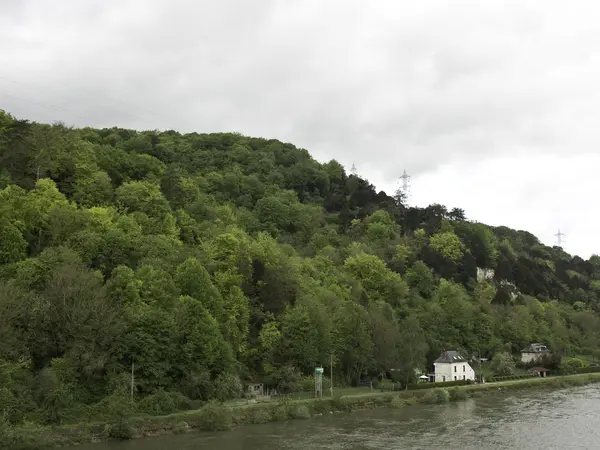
(204, 259)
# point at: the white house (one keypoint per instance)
(534, 352)
(451, 366)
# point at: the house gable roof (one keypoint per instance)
(450, 357)
(535, 347)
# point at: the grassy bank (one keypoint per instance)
(213, 417)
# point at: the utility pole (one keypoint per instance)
(479, 357)
(353, 170)
(331, 374)
(132, 380)
(559, 238)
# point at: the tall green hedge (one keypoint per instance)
(439, 385)
(511, 377)
(590, 369)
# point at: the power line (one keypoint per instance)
(103, 94)
(77, 115)
(55, 108)
(72, 114)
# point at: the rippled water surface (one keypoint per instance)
(567, 419)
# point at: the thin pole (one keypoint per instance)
(132, 379)
(331, 373)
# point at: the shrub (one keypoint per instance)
(180, 427)
(279, 412)
(54, 395)
(398, 403)
(259, 415)
(285, 379)
(6, 432)
(196, 385)
(436, 396)
(120, 429)
(411, 401)
(215, 417)
(384, 399)
(9, 409)
(571, 365)
(341, 404)
(162, 403)
(119, 409)
(300, 412)
(556, 382)
(551, 361)
(320, 407)
(307, 384)
(227, 387)
(577, 381)
(457, 394)
(503, 364)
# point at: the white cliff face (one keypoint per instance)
(487, 275)
(511, 288)
(484, 274)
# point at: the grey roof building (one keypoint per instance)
(536, 347)
(450, 357)
(534, 352)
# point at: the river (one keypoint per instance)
(565, 419)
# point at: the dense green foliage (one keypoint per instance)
(209, 259)
(443, 384)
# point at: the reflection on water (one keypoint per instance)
(567, 419)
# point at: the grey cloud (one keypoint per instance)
(391, 85)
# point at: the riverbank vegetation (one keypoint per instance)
(202, 262)
(220, 417)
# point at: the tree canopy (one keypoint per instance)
(210, 257)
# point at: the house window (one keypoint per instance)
(463, 377)
(454, 368)
(464, 369)
(443, 378)
(454, 378)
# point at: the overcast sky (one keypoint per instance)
(492, 106)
